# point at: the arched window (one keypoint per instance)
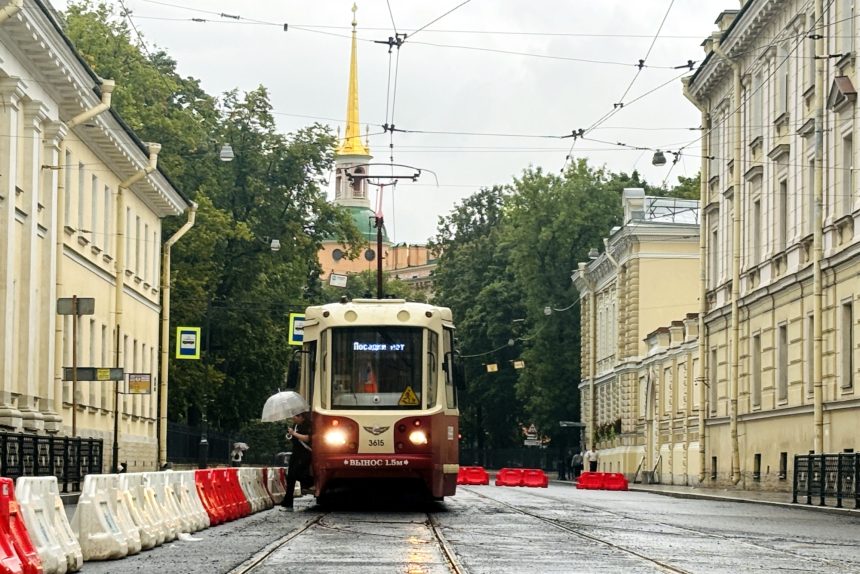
(358, 184)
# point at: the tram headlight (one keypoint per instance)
(334, 437)
(418, 437)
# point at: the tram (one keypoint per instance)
(381, 377)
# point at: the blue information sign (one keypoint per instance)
(188, 342)
(297, 324)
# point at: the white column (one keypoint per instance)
(30, 283)
(51, 403)
(11, 92)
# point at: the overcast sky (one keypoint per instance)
(508, 67)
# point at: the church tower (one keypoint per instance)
(353, 156)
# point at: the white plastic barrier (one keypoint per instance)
(144, 495)
(166, 503)
(190, 484)
(184, 500)
(140, 516)
(255, 476)
(47, 524)
(96, 523)
(246, 483)
(276, 487)
(264, 491)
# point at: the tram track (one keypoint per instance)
(258, 561)
(659, 564)
(676, 527)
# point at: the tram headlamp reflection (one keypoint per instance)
(418, 437)
(335, 437)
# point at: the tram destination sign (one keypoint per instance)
(94, 374)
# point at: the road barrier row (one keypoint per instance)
(530, 477)
(118, 515)
(602, 481)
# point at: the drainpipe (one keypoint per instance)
(703, 270)
(9, 9)
(106, 88)
(817, 239)
(736, 265)
(165, 332)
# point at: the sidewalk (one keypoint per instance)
(735, 495)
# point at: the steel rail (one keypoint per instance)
(250, 564)
(453, 563)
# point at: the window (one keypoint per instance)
(712, 372)
(755, 370)
(358, 184)
(757, 105)
(432, 368)
(846, 198)
(757, 466)
(755, 258)
(782, 82)
(714, 168)
(810, 195)
(91, 358)
(783, 465)
(104, 363)
(107, 219)
(156, 246)
(376, 367)
(847, 347)
(67, 355)
(137, 241)
(450, 368)
(782, 363)
(81, 199)
(846, 26)
(713, 468)
(145, 251)
(782, 215)
(127, 238)
(714, 248)
(94, 206)
(809, 61)
(67, 190)
(810, 350)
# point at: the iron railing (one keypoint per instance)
(69, 459)
(824, 477)
(183, 445)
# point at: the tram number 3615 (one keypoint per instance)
(376, 442)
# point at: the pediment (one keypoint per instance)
(842, 93)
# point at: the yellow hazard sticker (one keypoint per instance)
(408, 398)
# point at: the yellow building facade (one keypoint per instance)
(645, 277)
(81, 204)
(766, 364)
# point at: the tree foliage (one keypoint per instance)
(225, 277)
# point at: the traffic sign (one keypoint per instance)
(188, 342)
(297, 324)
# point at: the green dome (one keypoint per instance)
(363, 218)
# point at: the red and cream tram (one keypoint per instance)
(379, 375)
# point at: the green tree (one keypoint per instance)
(474, 278)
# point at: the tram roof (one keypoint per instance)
(378, 307)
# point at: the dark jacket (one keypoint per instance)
(300, 460)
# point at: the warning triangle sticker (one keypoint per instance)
(408, 398)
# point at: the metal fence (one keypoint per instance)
(183, 445)
(69, 459)
(823, 477)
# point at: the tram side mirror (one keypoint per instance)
(293, 373)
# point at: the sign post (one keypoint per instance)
(74, 306)
(297, 324)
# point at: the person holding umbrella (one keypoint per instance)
(299, 468)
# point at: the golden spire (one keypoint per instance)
(351, 144)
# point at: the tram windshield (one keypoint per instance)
(376, 367)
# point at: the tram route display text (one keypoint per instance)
(376, 347)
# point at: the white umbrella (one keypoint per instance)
(240, 446)
(284, 405)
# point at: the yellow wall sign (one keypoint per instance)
(139, 383)
(188, 342)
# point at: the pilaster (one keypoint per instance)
(30, 283)
(50, 402)
(11, 92)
